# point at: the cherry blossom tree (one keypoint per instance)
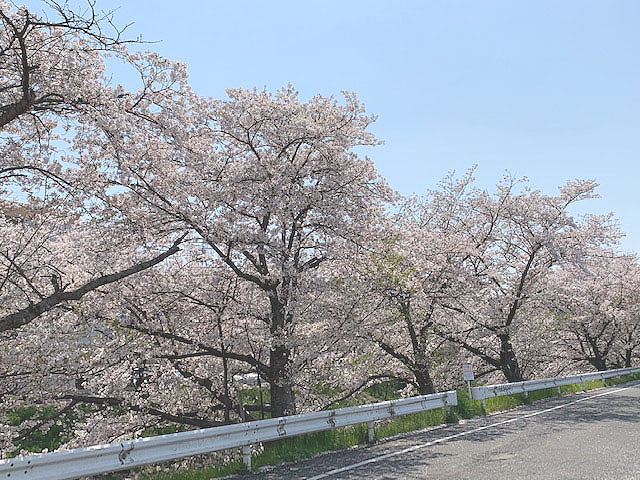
(42, 269)
(598, 309)
(413, 275)
(267, 183)
(519, 236)
(64, 245)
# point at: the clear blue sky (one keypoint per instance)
(544, 89)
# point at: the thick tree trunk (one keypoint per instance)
(598, 360)
(598, 363)
(508, 361)
(423, 379)
(283, 400)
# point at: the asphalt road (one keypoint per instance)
(595, 435)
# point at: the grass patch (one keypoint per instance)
(410, 423)
(623, 379)
(544, 393)
(507, 402)
(497, 404)
(56, 428)
(467, 407)
(578, 387)
(386, 390)
(216, 471)
(310, 444)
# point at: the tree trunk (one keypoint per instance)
(508, 361)
(282, 396)
(423, 379)
(283, 400)
(628, 357)
(598, 363)
(598, 360)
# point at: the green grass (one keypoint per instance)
(56, 428)
(310, 444)
(623, 379)
(410, 423)
(506, 402)
(195, 474)
(467, 407)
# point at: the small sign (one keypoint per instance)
(467, 372)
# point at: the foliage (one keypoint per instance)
(50, 436)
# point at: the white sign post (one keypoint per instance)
(467, 374)
(242, 380)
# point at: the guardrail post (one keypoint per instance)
(484, 406)
(559, 392)
(371, 433)
(246, 456)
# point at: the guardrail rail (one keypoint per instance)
(488, 391)
(144, 451)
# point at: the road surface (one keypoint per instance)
(595, 435)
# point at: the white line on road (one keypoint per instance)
(457, 435)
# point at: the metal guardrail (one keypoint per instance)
(143, 451)
(488, 391)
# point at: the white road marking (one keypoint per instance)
(457, 435)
